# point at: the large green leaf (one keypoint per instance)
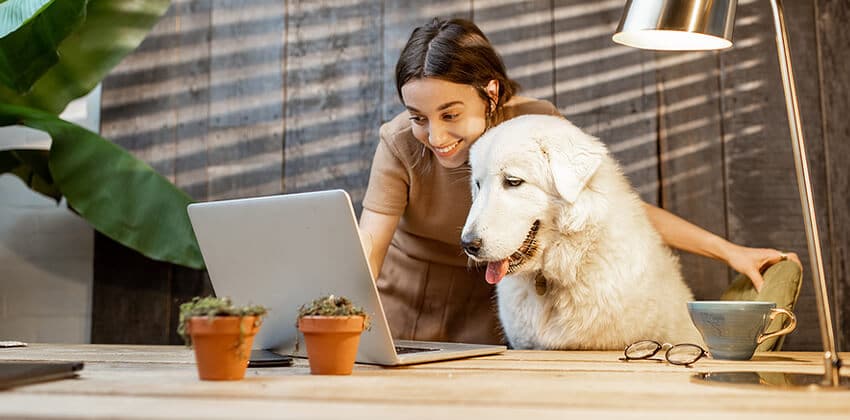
(31, 166)
(112, 29)
(121, 196)
(30, 32)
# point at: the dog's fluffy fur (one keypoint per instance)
(548, 199)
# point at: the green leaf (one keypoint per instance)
(118, 194)
(31, 166)
(30, 32)
(111, 30)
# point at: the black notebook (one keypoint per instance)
(16, 373)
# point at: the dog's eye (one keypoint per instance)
(513, 181)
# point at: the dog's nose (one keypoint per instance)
(470, 245)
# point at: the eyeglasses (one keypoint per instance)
(684, 354)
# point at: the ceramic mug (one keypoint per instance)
(733, 329)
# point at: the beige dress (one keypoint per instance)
(428, 289)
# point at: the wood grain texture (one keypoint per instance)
(690, 138)
(192, 73)
(522, 33)
(333, 105)
(245, 142)
(606, 89)
(140, 97)
(161, 381)
(130, 296)
(763, 200)
(833, 18)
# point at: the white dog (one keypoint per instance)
(568, 243)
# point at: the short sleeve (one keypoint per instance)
(526, 106)
(389, 182)
(543, 107)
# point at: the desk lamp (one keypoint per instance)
(699, 25)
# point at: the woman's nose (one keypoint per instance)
(436, 135)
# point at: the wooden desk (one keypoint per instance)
(161, 382)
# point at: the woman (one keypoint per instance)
(454, 86)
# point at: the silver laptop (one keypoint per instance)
(282, 251)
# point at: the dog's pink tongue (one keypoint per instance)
(496, 270)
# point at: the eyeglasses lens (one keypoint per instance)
(642, 349)
(684, 354)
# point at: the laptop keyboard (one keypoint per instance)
(407, 350)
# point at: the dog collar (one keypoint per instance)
(540, 284)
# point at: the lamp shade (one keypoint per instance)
(677, 25)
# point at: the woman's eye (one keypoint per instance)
(513, 181)
(450, 117)
(417, 119)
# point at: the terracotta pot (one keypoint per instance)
(331, 342)
(218, 353)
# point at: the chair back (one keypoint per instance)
(782, 282)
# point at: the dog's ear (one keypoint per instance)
(572, 163)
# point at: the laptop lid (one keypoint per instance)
(285, 250)
(15, 373)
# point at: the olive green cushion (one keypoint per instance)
(782, 283)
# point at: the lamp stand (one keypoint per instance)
(832, 363)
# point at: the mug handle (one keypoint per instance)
(791, 324)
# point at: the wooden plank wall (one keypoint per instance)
(833, 48)
(158, 107)
(234, 98)
(763, 201)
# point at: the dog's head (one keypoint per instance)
(528, 178)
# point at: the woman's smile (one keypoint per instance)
(447, 151)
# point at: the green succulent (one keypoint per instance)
(212, 307)
(331, 305)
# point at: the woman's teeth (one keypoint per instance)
(447, 149)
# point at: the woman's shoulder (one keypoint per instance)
(521, 105)
(397, 135)
(396, 126)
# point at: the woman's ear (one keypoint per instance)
(492, 90)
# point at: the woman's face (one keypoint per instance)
(446, 117)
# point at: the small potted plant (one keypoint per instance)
(332, 326)
(221, 334)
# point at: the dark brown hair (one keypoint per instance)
(455, 51)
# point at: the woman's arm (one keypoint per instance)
(376, 232)
(681, 234)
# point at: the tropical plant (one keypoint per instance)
(54, 51)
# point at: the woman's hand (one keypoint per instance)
(752, 262)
